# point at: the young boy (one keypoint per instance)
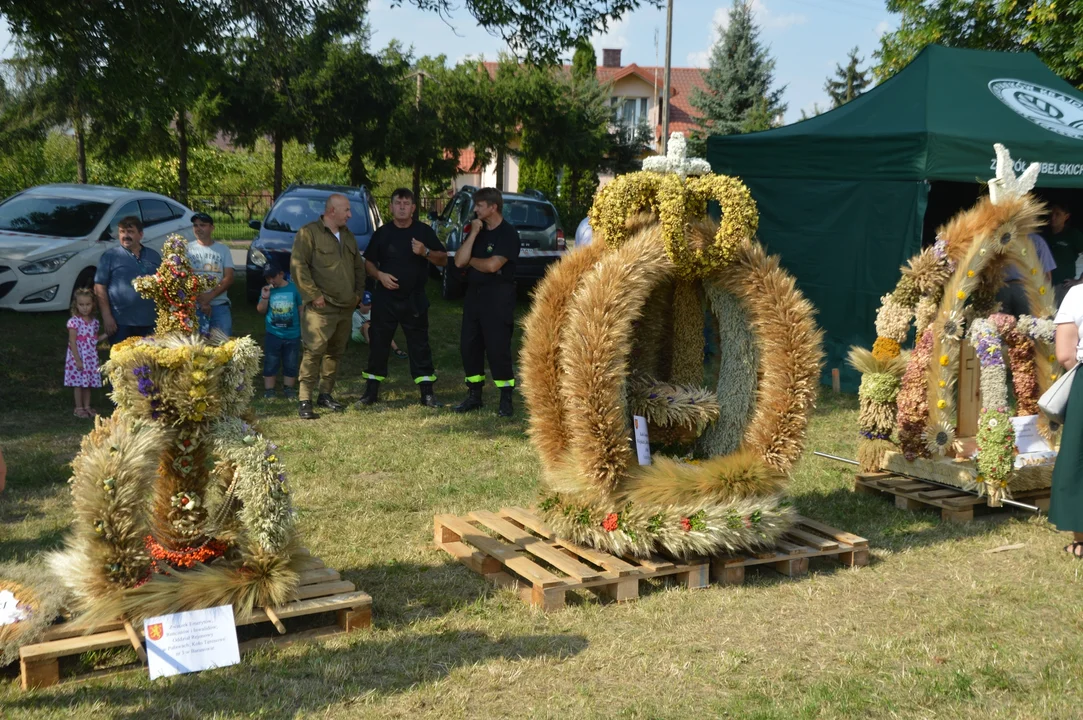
(362, 319)
(282, 344)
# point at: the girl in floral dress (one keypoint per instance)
(81, 364)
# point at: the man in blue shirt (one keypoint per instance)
(126, 313)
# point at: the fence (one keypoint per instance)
(232, 213)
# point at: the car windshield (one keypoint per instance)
(55, 216)
(529, 215)
(290, 213)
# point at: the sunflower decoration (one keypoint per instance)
(938, 438)
(617, 330)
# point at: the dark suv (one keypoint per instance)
(541, 237)
(299, 205)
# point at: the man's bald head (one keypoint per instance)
(336, 211)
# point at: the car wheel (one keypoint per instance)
(84, 280)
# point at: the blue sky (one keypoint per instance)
(806, 37)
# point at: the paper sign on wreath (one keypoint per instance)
(1027, 437)
(643, 443)
(191, 641)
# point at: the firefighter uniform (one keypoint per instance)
(391, 250)
(489, 312)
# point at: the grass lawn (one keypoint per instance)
(933, 627)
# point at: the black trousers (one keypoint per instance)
(488, 318)
(413, 316)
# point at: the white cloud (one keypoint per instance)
(882, 27)
(767, 19)
(616, 38)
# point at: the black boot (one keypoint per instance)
(473, 398)
(305, 411)
(428, 399)
(505, 402)
(372, 393)
(325, 400)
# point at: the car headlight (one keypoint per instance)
(258, 257)
(47, 265)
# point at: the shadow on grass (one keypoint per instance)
(28, 547)
(274, 684)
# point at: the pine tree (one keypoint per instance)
(739, 76)
(848, 82)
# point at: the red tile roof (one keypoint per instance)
(467, 160)
(682, 116)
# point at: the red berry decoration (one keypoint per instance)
(686, 524)
(611, 522)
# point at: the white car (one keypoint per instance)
(51, 237)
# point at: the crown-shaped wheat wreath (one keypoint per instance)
(618, 329)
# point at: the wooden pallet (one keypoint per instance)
(321, 590)
(808, 539)
(955, 505)
(528, 557)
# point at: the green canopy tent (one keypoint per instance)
(843, 196)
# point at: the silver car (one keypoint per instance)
(51, 237)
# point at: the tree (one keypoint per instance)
(353, 95)
(64, 49)
(268, 73)
(1053, 30)
(539, 30)
(739, 77)
(816, 110)
(984, 24)
(848, 82)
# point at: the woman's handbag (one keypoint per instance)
(1054, 401)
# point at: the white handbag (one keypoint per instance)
(1054, 401)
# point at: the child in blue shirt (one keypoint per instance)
(282, 343)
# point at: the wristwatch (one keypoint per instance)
(427, 251)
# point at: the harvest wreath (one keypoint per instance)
(949, 291)
(179, 503)
(617, 330)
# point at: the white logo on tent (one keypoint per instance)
(1050, 109)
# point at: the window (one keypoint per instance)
(155, 212)
(455, 210)
(529, 215)
(129, 209)
(58, 217)
(290, 213)
(178, 211)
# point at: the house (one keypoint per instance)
(635, 93)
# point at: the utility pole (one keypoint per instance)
(417, 159)
(665, 81)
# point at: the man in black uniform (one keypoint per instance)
(398, 256)
(490, 251)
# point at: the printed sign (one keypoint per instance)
(1027, 437)
(191, 641)
(10, 612)
(643, 445)
(1045, 107)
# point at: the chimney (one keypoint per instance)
(611, 58)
